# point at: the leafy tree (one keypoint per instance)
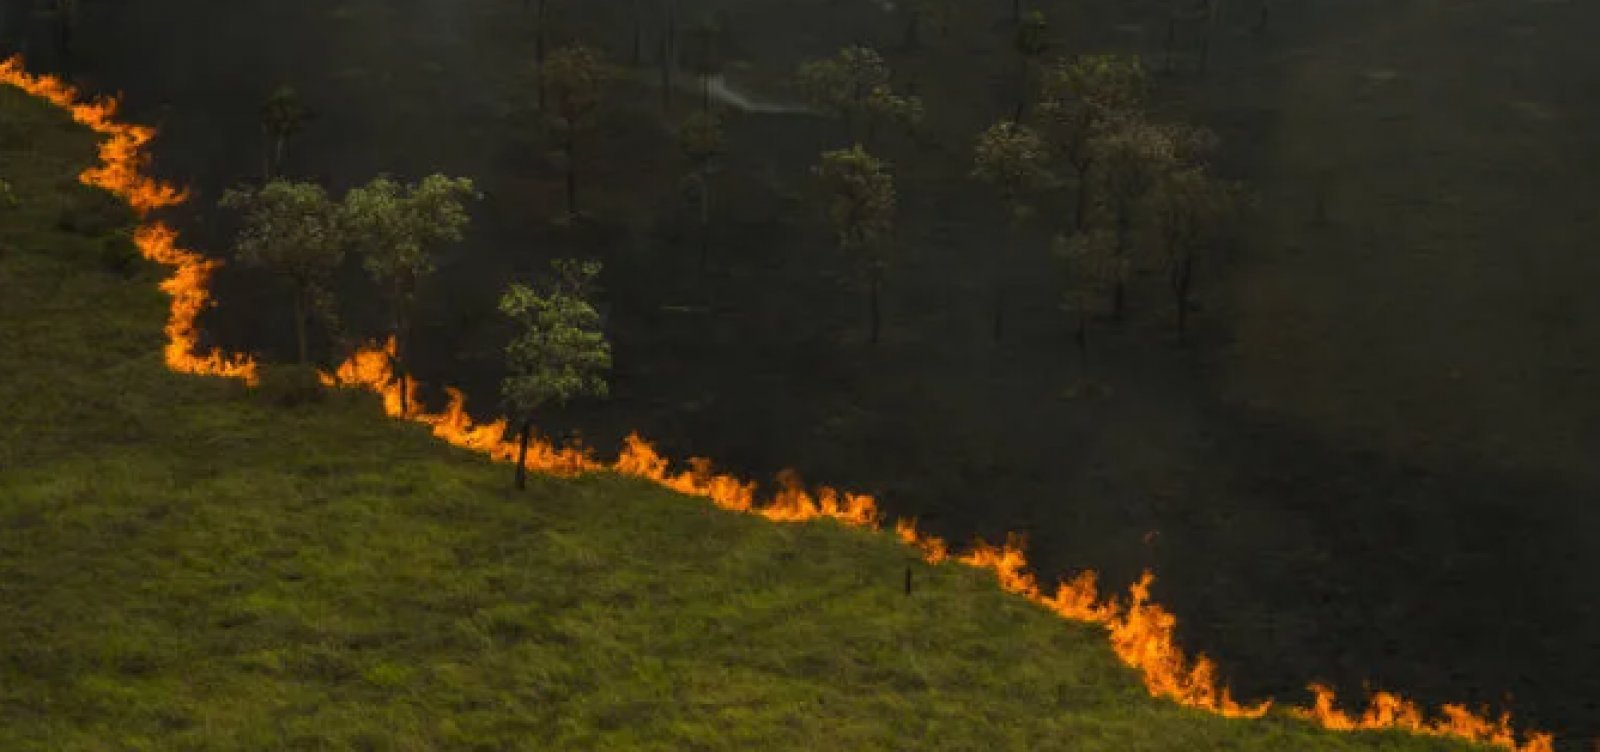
(559, 352)
(1012, 158)
(704, 56)
(282, 115)
(1089, 258)
(293, 229)
(700, 139)
(1131, 155)
(1078, 98)
(578, 77)
(397, 229)
(1031, 42)
(1187, 206)
(854, 87)
(924, 13)
(861, 209)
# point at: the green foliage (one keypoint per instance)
(1091, 265)
(1013, 159)
(290, 228)
(700, 137)
(1033, 35)
(559, 352)
(398, 227)
(284, 113)
(1077, 97)
(860, 199)
(576, 77)
(854, 85)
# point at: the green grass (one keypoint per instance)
(184, 565)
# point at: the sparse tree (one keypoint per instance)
(1090, 262)
(1130, 155)
(295, 230)
(700, 139)
(1012, 159)
(1187, 206)
(398, 229)
(854, 86)
(1032, 40)
(860, 199)
(1078, 99)
(282, 116)
(577, 76)
(559, 352)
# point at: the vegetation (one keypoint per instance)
(700, 139)
(860, 197)
(577, 77)
(559, 352)
(187, 567)
(293, 229)
(282, 116)
(1012, 158)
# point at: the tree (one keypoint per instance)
(669, 50)
(1131, 155)
(1031, 42)
(704, 56)
(1077, 99)
(295, 230)
(924, 13)
(1012, 158)
(1089, 259)
(67, 15)
(854, 87)
(559, 352)
(397, 229)
(700, 139)
(282, 115)
(1187, 206)
(577, 76)
(861, 209)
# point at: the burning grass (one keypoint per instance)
(335, 581)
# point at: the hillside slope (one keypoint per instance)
(184, 565)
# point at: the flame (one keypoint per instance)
(120, 171)
(1142, 633)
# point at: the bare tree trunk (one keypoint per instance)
(705, 219)
(1083, 336)
(300, 325)
(538, 52)
(524, 436)
(1081, 215)
(572, 172)
(638, 34)
(1172, 41)
(1181, 286)
(1016, 11)
(874, 285)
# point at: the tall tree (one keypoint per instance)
(668, 50)
(704, 57)
(398, 229)
(559, 352)
(1187, 207)
(1078, 97)
(854, 87)
(1131, 155)
(293, 229)
(1032, 40)
(700, 139)
(578, 77)
(282, 116)
(861, 202)
(1012, 158)
(1089, 259)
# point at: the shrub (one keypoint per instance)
(93, 212)
(290, 385)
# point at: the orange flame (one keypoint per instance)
(1142, 633)
(120, 172)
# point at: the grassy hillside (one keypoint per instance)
(187, 565)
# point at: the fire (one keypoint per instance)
(1142, 633)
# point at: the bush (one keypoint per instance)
(290, 385)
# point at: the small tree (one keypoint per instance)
(398, 229)
(577, 76)
(700, 139)
(704, 57)
(1011, 158)
(1031, 42)
(282, 116)
(295, 230)
(559, 352)
(861, 209)
(1089, 259)
(1078, 98)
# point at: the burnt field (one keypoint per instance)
(1369, 463)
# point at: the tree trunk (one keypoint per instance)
(913, 38)
(524, 436)
(1083, 337)
(1016, 11)
(300, 314)
(638, 35)
(705, 92)
(1181, 289)
(266, 155)
(1022, 93)
(705, 220)
(279, 148)
(666, 75)
(1172, 41)
(1080, 216)
(999, 309)
(873, 312)
(572, 173)
(1119, 293)
(538, 53)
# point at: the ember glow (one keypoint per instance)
(1142, 633)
